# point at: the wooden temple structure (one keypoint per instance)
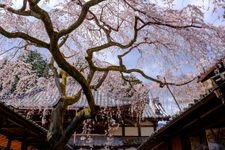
(199, 127)
(19, 133)
(119, 127)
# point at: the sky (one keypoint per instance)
(211, 15)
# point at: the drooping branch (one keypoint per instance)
(181, 84)
(111, 43)
(10, 9)
(24, 36)
(144, 75)
(22, 11)
(81, 17)
(120, 57)
(111, 28)
(107, 31)
(100, 81)
(44, 16)
(159, 21)
(17, 48)
(121, 68)
(173, 26)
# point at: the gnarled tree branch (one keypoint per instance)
(24, 36)
(81, 17)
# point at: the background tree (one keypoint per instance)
(16, 78)
(38, 63)
(23, 75)
(166, 39)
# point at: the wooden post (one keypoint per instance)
(24, 143)
(155, 122)
(139, 126)
(139, 129)
(123, 129)
(9, 143)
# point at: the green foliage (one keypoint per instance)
(39, 64)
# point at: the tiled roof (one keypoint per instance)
(47, 98)
(103, 100)
(220, 65)
(43, 98)
(154, 112)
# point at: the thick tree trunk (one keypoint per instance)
(56, 136)
(80, 116)
(56, 126)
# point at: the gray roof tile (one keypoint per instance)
(47, 98)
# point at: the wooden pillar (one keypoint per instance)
(123, 129)
(8, 147)
(155, 122)
(139, 129)
(1, 122)
(185, 141)
(24, 143)
(170, 144)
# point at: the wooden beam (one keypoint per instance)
(131, 122)
(3, 121)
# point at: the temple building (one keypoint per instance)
(122, 123)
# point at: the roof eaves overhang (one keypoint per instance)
(203, 108)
